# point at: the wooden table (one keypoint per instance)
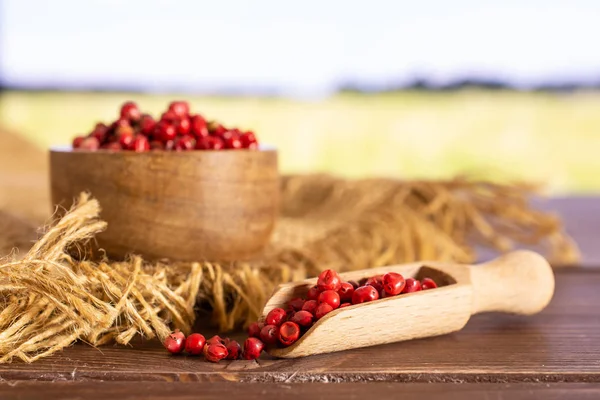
(553, 355)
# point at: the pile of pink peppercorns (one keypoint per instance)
(282, 328)
(177, 129)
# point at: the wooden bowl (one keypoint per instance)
(197, 205)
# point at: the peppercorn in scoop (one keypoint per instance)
(282, 328)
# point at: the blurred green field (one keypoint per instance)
(549, 138)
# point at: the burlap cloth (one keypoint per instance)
(50, 298)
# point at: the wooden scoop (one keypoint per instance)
(521, 282)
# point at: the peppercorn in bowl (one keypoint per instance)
(206, 192)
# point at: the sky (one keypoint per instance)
(299, 47)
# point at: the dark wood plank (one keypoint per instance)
(562, 344)
(314, 391)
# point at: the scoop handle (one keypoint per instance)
(521, 282)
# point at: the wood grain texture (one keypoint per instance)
(188, 205)
(521, 282)
(561, 344)
(291, 391)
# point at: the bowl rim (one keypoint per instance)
(69, 149)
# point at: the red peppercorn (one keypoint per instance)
(100, 132)
(428, 283)
(169, 145)
(289, 332)
(302, 318)
(124, 129)
(140, 143)
(183, 126)
(252, 348)
(364, 294)
(313, 293)
(310, 306)
(113, 146)
(345, 305)
(376, 282)
(322, 309)
(101, 126)
(215, 352)
(296, 304)
(165, 131)
(215, 340)
(233, 143)
(248, 139)
(147, 124)
(254, 330)
(110, 129)
(217, 144)
(180, 108)
(198, 126)
(194, 344)
(130, 111)
(169, 116)
(393, 283)
(234, 350)
(329, 280)
(170, 132)
(346, 291)
(121, 122)
(230, 133)
(175, 342)
(268, 334)
(210, 143)
(184, 143)
(217, 129)
(77, 141)
(126, 141)
(156, 145)
(275, 317)
(412, 285)
(89, 143)
(354, 284)
(330, 297)
(289, 314)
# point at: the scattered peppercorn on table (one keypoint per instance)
(554, 354)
